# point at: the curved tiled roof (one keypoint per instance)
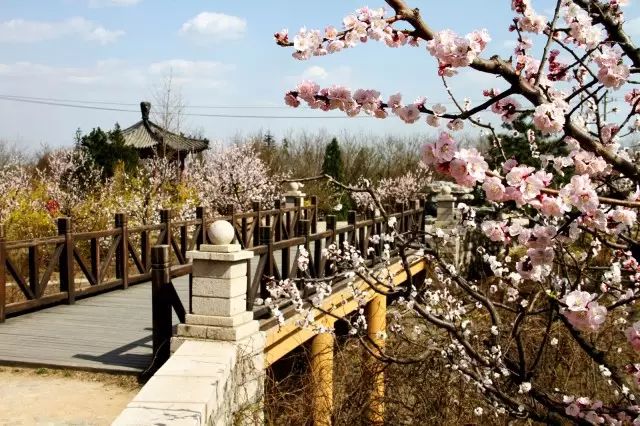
(147, 134)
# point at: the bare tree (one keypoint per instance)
(168, 104)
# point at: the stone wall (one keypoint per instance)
(204, 383)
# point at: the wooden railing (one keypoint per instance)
(357, 233)
(59, 269)
(41, 272)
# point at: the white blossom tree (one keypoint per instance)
(568, 272)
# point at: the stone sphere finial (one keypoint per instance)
(294, 186)
(221, 232)
(446, 189)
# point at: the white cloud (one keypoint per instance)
(214, 27)
(341, 75)
(114, 74)
(23, 31)
(106, 3)
(315, 73)
(205, 74)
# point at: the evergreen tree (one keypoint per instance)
(107, 149)
(516, 145)
(332, 164)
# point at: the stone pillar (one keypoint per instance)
(294, 194)
(445, 202)
(376, 314)
(219, 303)
(322, 378)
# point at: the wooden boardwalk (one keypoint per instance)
(110, 332)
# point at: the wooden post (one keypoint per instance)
(314, 212)
(3, 274)
(122, 251)
(322, 378)
(277, 205)
(256, 206)
(266, 238)
(165, 219)
(66, 260)
(33, 270)
(95, 259)
(376, 314)
(331, 226)
(161, 305)
(352, 218)
(201, 215)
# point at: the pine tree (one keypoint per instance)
(332, 164)
(107, 149)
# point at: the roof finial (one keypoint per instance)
(145, 107)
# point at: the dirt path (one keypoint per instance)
(51, 397)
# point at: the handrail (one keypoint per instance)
(49, 270)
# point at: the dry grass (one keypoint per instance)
(428, 392)
(127, 382)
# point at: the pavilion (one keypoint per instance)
(152, 140)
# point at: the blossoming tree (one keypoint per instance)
(569, 269)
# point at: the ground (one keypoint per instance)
(61, 397)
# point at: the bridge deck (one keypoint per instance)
(110, 332)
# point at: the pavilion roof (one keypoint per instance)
(147, 134)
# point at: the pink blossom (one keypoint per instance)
(633, 335)
(291, 100)
(452, 50)
(493, 230)
(433, 120)
(395, 101)
(517, 174)
(583, 312)
(428, 154)
(445, 148)
(612, 73)
(549, 117)
(553, 206)
(330, 33)
(624, 216)
(493, 188)
(580, 194)
(533, 23)
(633, 99)
(409, 114)
(541, 256)
(455, 125)
(307, 90)
(509, 164)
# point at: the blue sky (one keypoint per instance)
(119, 50)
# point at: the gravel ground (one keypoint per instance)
(61, 397)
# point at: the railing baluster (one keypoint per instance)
(256, 206)
(160, 305)
(201, 238)
(277, 205)
(351, 221)
(266, 238)
(67, 282)
(331, 226)
(3, 274)
(94, 250)
(314, 213)
(122, 251)
(33, 270)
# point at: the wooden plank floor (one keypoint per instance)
(109, 332)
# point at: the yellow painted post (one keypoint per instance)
(322, 378)
(376, 314)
